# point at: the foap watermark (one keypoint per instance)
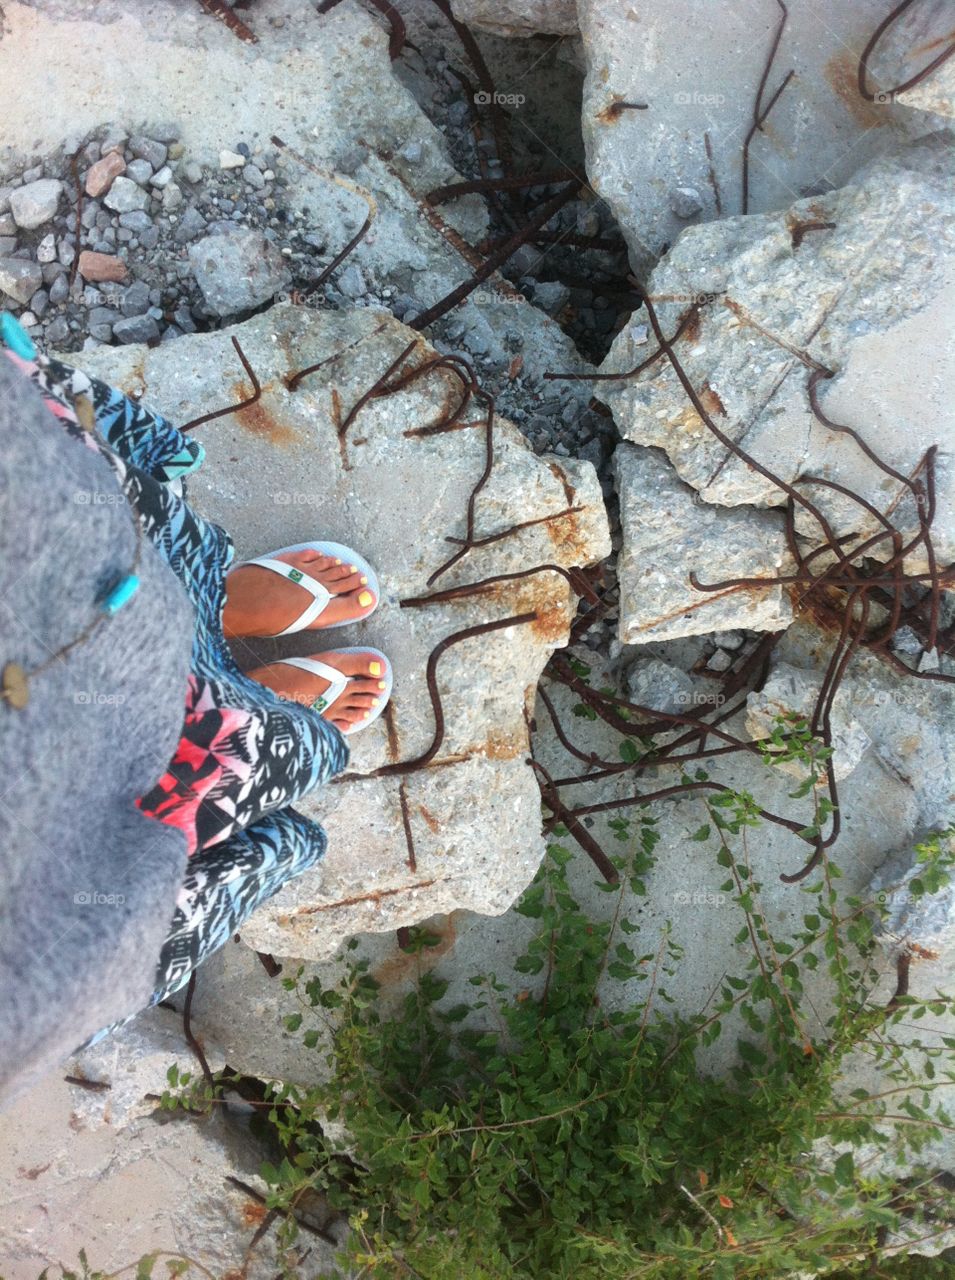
(92, 698)
(490, 297)
(96, 498)
(484, 99)
(694, 98)
(92, 898)
(699, 898)
(284, 498)
(299, 298)
(700, 698)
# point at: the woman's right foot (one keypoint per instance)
(360, 699)
(260, 602)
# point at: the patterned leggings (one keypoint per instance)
(245, 755)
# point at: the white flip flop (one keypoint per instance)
(320, 595)
(338, 682)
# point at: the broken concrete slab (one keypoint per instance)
(855, 281)
(904, 51)
(698, 79)
(669, 533)
(280, 472)
(175, 61)
(516, 18)
(159, 1184)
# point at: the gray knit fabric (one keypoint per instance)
(87, 883)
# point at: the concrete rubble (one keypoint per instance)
(849, 297)
(519, 17)
(697, 79)
(276, 474)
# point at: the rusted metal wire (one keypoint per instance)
(406, 824)
(575, 828)
(549, 178)
(686, 322)
(761, 113)
(498, 258)
(232, 408)
(799, 230)
(577, 581)
(516, 528)
(75, 171)
(219, 9)
(191, 1040)
(362, 192)
(480, 629)
(878, 33)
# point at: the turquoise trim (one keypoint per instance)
(15, 337)
(121, 594)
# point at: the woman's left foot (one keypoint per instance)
(260, 602)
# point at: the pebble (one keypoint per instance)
(243, 149)
(8, 245)
(58, 330)
(35, 203)
(231, 160)
(254, 177)
(20, 278)
(137, 220)
(135, 301)
(167, 131)
(172, 197)
(731, 639)
(100, 177)
(149, 149)
(149, 238)
(412, 152)
(351, 281)
(136, 329)
(60, 289)
(91, 211)
(140, 171)
(686, 202)
(162, 178)
(551, 296)
(39, 303)
(5, 194)
(101, 266)
(27, 319)
(191, 171)
(720, 661)
(113, 142)
(33, 174)
(124, 196)
(46, 249)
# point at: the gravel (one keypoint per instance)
(35, 203)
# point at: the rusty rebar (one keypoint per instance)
(232, 408)
(863, 69)
(761, 113)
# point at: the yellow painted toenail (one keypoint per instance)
(353, 568)
(374, 702)
(367, 715)
(338, 561)
(375, 668)
(365, 599)
(382, 685)
(364, 581)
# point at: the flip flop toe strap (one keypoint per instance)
(320, 595)
(337, 682)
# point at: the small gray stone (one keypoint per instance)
(237, 270)
(103, 315)
(149, 149)
(686, 202)
(60, 289)
(190, 224)
(172, 197)
(66, 249)
(351, 281)
(5, 194)
(140, 171)
(92, 297)
(551, 296)
(656, 684)
(149, 238)
(162, 178)
(731, 639)
(135, 301)
(58, 330)
(906, 641)
(191, 171)
(91, 212)
(136, 220)
(19, 278)
(124, 196)
(7, 226)
(115, 140)
(8, 245)
(136, 329)
(720, 661)
(33, 174)
(253, 177)
(412, 152)
(101, 332)
(36, 203)
(183, 318)
(39, 303)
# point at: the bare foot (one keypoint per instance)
(361, 695)
(259, 602)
